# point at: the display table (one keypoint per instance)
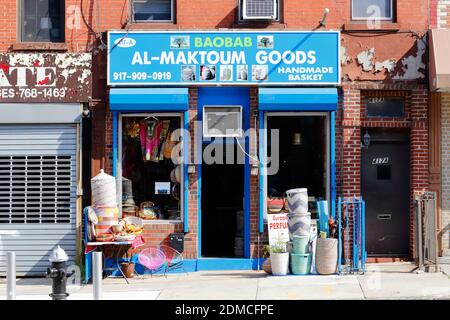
(122, 247)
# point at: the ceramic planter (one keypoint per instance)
(279, 263)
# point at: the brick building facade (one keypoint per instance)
(378, 60)
(371, 66)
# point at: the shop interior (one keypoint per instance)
(302, 156)
(151, 181)
(223, 204)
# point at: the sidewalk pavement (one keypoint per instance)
(381, 281)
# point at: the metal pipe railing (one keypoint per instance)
(351, 235)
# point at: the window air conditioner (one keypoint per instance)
(259, 9)
(222, 121)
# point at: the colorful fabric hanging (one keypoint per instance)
(143, 137)
(153, 143)
(163, 137)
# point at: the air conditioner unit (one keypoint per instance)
(222, 121)
(259, 9)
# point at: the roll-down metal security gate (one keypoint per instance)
(38, 192)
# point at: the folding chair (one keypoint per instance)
(174, 259)
(152, 259)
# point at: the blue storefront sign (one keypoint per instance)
(225, 58)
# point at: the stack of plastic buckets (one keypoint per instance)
(300, 256)
(299, 222)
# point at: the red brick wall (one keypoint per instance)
(351, 121)
(199, 14)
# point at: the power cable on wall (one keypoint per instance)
(98, 34)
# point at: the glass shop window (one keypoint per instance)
(152, 170)
(302, 159)
(42, 20)
(385, 107)
(372, 9)
(153, 10)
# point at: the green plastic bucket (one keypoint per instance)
(300, 263)
(300, 244)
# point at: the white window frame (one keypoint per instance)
(391, 18)
(241, 14)
(119, 164)
(172, 5)
(225, 135)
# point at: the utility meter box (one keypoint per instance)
(177, 241)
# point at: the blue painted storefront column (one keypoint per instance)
(114, 142)
(333, 163)
(185, 172)
(261, 171)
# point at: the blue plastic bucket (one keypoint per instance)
(300, 244)
(301, 263)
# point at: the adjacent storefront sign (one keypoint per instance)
(45, 77)
(237, 58)
(278, 228)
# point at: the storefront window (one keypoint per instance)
(152, 171)
(302, 156)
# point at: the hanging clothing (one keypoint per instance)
(143, 137)
(153, 143)
(163, 138)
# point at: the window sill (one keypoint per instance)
(362, 26)
(39, 46)
(259, 24)
(153, 25)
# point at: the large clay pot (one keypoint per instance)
(128, 269)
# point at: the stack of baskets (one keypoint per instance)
(299, 219)
(104, 204)
(301, 256)
(129, 207)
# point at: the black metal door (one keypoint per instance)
(385, 176)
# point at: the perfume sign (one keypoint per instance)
(63, 77)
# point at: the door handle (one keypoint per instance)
(384, 217)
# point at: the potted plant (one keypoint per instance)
(279, 258)
(266, 266)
